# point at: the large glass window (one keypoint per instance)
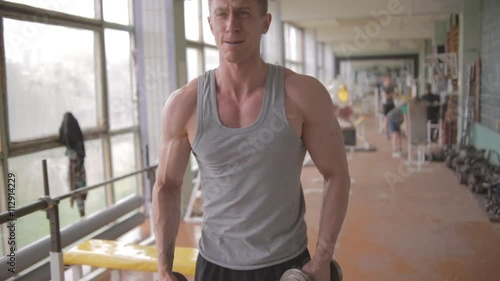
(192, 19)
(46, 77)
(208, 37)
(124, 162)
(122, 110)
(54, 68)
(116, 11)
(193, 57)
(84, 8)
(294, 53)
(321, 62)
(211, 58)
(29, 187)
(201, 54)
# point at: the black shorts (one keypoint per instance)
(388, 107)
(207, 271)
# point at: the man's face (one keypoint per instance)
(237, 26)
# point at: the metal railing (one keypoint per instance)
(71, 234)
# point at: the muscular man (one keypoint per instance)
(249, 125)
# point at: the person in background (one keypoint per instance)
(395, 118)
(433, 106)
(388, 92)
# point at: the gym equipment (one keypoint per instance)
(467, 159)
(343, 94)
(469, 109)
(180, 277)
(417, 132)
(125, 256)
(295, 274)
(493, 200)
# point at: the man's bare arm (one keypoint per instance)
(322, 136)
(173, 159)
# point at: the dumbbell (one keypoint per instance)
(180, 277)
(295, 274)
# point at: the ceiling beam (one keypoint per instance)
(294, 10)
(374, 31)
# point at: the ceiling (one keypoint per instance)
(370, 26)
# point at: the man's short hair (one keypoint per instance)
(262, 3)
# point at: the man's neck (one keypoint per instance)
(241, 78)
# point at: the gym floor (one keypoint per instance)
(401, 225)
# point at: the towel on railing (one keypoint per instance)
(71, 136)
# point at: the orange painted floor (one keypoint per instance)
(401, 225)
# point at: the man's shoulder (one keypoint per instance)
(184, 97)
(300, 86)
(181, 104)
(307, 94)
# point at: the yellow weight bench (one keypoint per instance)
(125, 256)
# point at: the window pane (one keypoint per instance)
(295, 67)
(321, 54)
(116, 11)
(288, 42)
(46, 77)
(208, 37)
(192, 20)
(29, 187)
(293, 44)
(124, 162)
(193, 63)
(122, 109)
(211, 58)
(84, 8)
(299, 54)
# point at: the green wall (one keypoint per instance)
(483, 137)
(469, 50)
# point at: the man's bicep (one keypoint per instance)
(174, 149)
(174, 157)
(323, 137)
(325, 144)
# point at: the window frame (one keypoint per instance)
(300, 63)
(102, 130)
(200, 45)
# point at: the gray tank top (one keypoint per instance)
(250, 176)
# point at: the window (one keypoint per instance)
(122, 110)
(321, 62)
(124, 162)
(201, 54)
(84, 8)
(192, 19)
(294, 54)
(53, 68)
(208, 37)
(211, 58)
(36, 67)
(29, 184)
(193, 57)
(116, 11)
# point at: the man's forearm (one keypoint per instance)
(166, 218)
(333, 211)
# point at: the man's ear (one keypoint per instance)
(267, 22)
(210, 24)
